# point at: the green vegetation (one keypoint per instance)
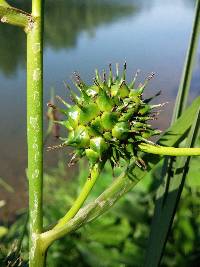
(97, 243)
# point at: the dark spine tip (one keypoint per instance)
(50, 148)
(51, 105)
(77, 76)
(104, 76)
(159, 93)
(122, 83)
(78, 80)
(96, 83)
(151, 76)
(124, 71)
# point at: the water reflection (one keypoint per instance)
(63, 23)
(189, 3)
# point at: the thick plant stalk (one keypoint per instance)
(94, 174)
(32, 24)
(35, 131)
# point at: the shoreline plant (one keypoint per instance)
(108, 96)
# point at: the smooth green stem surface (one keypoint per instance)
(37, 6)
(169, 151)
(94, 174)
(35, 129)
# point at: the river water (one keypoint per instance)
(80, 35)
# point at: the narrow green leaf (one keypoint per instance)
(179, 130)
(156, 247)
(167, 201)
(8, 187)
(184, 87)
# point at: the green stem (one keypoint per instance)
(94, 174)
(14, 16)
(169, 151)
(37, 252)
(35, 127)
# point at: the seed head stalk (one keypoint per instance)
(94, 174)
(169, 151)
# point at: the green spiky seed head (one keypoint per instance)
(109, 119)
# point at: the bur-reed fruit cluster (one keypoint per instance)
(109, 119)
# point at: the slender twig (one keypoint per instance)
(15, 16)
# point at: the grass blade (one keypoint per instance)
(163, 215)
(167, 202)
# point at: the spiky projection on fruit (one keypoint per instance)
(109, 119)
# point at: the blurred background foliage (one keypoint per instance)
(119, 237)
